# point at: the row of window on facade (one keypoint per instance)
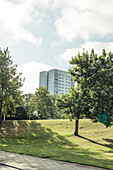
(59, 78)
(63, 90)
(58, 74)
(63, 82)
(62, 76)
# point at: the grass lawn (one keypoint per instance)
(54, 139)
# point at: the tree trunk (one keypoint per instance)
(76, 127)
(1, 106)
(1, 112)
(0, 118)
(40, 116)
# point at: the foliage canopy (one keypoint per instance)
(10, 83)
(42, 102)
(94, 77)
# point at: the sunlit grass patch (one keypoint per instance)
(54, 139)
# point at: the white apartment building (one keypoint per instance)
(56, 81)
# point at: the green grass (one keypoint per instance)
(54, 139)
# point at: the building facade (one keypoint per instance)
(56, 81)
(43, 79)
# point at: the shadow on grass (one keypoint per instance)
(29, 137)
(110, 141)
(110, 145)
(30, 132)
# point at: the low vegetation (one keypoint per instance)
(54, 139)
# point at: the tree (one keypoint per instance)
(10, 83)
(73, 105)
(56, 114)
(32, 104)
(41, 102)
(94, 77)
(27, 98)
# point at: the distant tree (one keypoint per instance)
(27, 98)
(32, 104)
(10, 83)
(41, 102)
(94, 77)
(56, 114)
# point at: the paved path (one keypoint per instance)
(12, 161)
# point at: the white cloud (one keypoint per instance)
(68, 54)
(56, 43)
(84, 18)
(78, 17)
(13, 18)
(88, 46)
(31, 73)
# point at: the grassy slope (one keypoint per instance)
(54, 139)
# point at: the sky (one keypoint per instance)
(45, 34)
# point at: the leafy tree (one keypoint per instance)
(32, 104)
(94, 77)
(27, 98)
(41, 101)
(57, 114)
(73, 105)
(10, 83)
